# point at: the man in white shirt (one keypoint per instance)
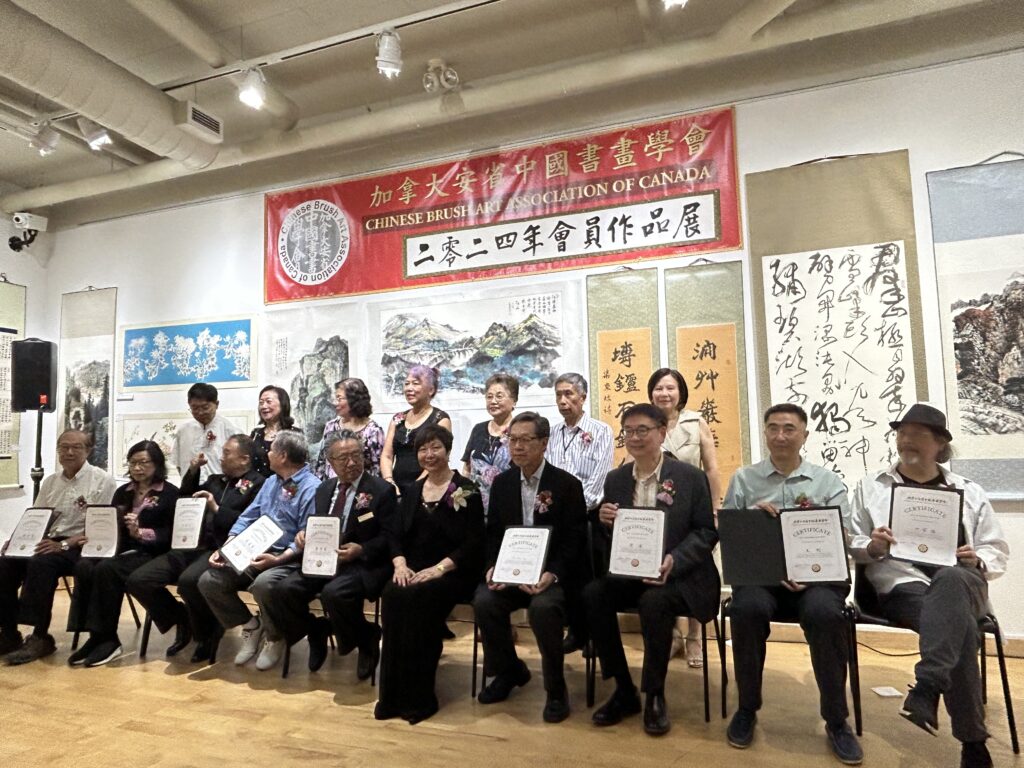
(941, 603)
(68, 492)
(199, 442)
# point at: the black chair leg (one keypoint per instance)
(984, 666)
(147, 627)
(287, 660)
(721, 653)
(704, 650)
(858, 718)
(1001, 656)
(590, 669)
(135, 612)
(476, 652)
(376, 621)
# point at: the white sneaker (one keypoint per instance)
(251, 639)
(272, 652)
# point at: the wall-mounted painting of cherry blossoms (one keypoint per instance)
(176, 355)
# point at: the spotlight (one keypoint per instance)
(95, 135)
(440, 77)
(253, 90)
(389, 54)
(46, 140)
(670, 4)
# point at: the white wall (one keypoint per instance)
(206, 259)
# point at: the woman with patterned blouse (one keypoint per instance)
(353, 406)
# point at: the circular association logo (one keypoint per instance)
(922, 547)
(816, 568)
(515, 571)
(635, 563)
(313, 242)
(319, 563)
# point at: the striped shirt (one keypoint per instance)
(584, 451)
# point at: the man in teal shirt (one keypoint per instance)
(784, 481)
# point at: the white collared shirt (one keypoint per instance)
(645, 492)
(193, 438)
(870, 509)
(91, 484)
(528, 492)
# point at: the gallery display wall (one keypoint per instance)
(205, 261)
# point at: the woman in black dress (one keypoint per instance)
(438, 559)
(275, 410)
(398, 463)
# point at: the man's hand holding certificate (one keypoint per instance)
(254, 540)
(320, 546)
(638, 543)
(522, 556)
(29, 532)
(925, 524)
(188, 523)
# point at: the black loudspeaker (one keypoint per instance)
(33, 375)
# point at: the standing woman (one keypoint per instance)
(438, 558)
(398, 464)
(275, 410)
(487, 452)
(353, 406)
(689, 439)
(145, 507)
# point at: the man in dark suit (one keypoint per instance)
(227, 495)
(367, 508)
(532, 492)
(688, 584)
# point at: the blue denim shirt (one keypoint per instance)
(288, 503)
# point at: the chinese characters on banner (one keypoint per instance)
(648, 191)
(625, 364)
(707, 360)
(838, 328)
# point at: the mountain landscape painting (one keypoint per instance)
(469, 341)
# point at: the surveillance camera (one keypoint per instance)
(24, 220)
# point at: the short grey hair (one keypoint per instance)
(578, 382)
(293, 445)
(342, 434)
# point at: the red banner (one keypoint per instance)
(649, 191)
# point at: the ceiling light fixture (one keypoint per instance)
(440, 77)
(95, 135)
(46, 140)
(670, 4)
(253, 90)
(389, 54)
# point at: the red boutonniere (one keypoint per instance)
(211, 438)
(398, 418)
(666, 492)
(289, 489)
(363, 500)
(148, 503)
(81, 502)
(243, 486)
(542, 503)
(803, 501)
(587, 438)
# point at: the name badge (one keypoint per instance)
(364, 518)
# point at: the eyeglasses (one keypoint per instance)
(497, 397)
(346, 458)
(522, 440)
(139, 464)
(201, 407)
(640, 432)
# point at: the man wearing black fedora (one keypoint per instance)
(941, 603)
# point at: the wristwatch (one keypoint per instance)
(64, 546)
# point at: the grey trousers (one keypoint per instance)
(220, 588)
(945, 614)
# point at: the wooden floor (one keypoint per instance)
(152, 712)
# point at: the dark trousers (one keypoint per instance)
(182, 567)
(819, 609)
(546, 612)
(99, 592)
(945, 614)
(38, 576)
(658, 608)
(342, 598)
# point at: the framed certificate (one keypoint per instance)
(814, 543)
(254, 540)
(523, 553)
(320, 554)
(29, 531)
(638, 543)
(188, 523)
(101, 531)
(925, 522)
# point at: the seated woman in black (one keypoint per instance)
(438, 560)
(145, 511)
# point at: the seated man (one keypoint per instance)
(367, 508)
(688, 586)
(532, 492)
(287, 499)
(69, 491)
(785, 480)
(227, 495)
(941, 603)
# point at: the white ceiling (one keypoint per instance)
(639, 60)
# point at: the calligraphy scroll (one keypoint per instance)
(707, 359)
(12, 327)
(838, 327)
(625, 357)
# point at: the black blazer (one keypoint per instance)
(231, 502)
(567, 516)
(690, 534)
(371, 522)
(159, 516)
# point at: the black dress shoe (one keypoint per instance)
(570, 644)
(182, 637)
(205, 649)
(656, 721)
(380, 712)
(922, 708)
(501, 686)
(420, 715)
(319, 630)
(620, 705)
(556, 708)
(369, 654)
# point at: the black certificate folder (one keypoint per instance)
(752, 551)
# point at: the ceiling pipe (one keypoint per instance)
(179, 25)
(494, 98)
(46, 61)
